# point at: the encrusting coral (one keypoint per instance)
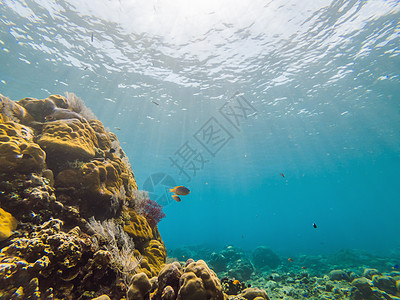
(7, 224)
(67, 139)
(18, 152)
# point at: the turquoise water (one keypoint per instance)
(318, 82)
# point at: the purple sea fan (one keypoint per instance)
(153, 212)
(148, 208)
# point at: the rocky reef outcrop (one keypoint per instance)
(60, 170)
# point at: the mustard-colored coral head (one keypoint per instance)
(7, 224)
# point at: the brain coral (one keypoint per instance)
(138, 227)
(104, 184)
(18, 152)
(68, 139)
(102, 136)
(199, 282)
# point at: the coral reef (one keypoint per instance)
(338, 275)
(67, 140)
(306, 276)
(18, 152)
(47, 257)
(168, 281)
(219, 262)
(263, 257)
(140, 287)
(122, 258)
(241, 269)
(338, 284)
(59, 167)
(198, 281)
(254, 293)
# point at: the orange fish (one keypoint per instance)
(236, 282)
(304, 268)
(176, 198)
(283, 175)
(289, 259)
(180, 190)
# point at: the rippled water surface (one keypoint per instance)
(277, 114)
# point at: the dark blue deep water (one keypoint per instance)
(276, 114)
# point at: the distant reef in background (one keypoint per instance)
(346, 274)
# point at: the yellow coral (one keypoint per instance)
(156, 254)
(17, 150)
(101, 178)
(199, 282)
(125, 172)
(147, 241)
(7, 224)
(102, 136)
(137, 227)
(101, 183)
(68, 140)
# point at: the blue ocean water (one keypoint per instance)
(276, 114)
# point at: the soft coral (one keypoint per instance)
(153, 212)
(150, 209)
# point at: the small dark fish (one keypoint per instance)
(91, 38)
(180, 190)
(396, 267)
(85, 68)
(271, 277)
(283, 175)
(155, 103)
(249, 285)
(314, 225)
(112, 150)
(176, 198)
